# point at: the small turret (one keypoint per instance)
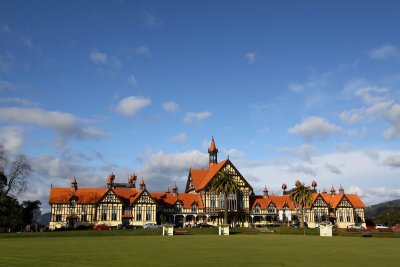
(167, 191)
(110, 180)
(341, 190)
(212, 152)
(333, 191)
(265, 192)
(132, 180)
(175, 190)
(142, 185)
(74, 184)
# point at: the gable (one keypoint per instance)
(319, 202)
(143, 197)
(344, 203)
(110, 197)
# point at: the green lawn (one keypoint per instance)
(197, 250)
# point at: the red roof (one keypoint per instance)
(84, 195)
(170, 199)
(201, 178)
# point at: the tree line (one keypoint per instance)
(14, 173)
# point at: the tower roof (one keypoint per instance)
(212, 147)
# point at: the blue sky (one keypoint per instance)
(290, 90)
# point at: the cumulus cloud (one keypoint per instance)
(65, 125)
(251, 57)
(315, 127)
(384, 52)
(11, 138)
(333, 169)
(392, 161)
(196, 117)
(303, 152)
(180, 138)
(161, 169)
(130, 105)
(143, 50)
(170, 107)
(377, 104)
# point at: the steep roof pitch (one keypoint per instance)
(334, 200)
(84, 195)
(170, 199)
(278, 201)
(355, 200)
(201, 178)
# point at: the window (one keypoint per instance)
(139, 214)
(58, 217)
(104, 213)
(194, 208)
(340, 215)
(348, 215)
(73, 202)
(148, 213)
(58, 208)
(257, 209)
(212, 200)
(271, 209)
(178, 207)
(84, 218)
(114, 213)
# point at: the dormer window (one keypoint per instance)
(257, 209)
(271, 209)
(72, 202)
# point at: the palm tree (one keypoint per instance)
(301, 196)
(225, 183)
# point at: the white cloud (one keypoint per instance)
(5, 85)
(303, 152)
(196, 117)
(392, 161)
(235, 153)
(377, 105)
(345, 147)
(315, 127)
(98, 57)
(143, 50)
(296, 88)
(251, 57)
(4, 28)
(130, 105)
(65, 125)
(180, 138)
(332, 168)
(11, 138)
(132, 80)
(160, 169)
(170, 107)
(18, 101)
(384, 52)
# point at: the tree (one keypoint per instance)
(301, 196)
(224, 183)
(13, 174)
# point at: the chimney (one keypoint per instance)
(110, 180)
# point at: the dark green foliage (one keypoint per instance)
(376, 210)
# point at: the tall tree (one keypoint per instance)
(224, 183)
(301, 196)
(13, 174)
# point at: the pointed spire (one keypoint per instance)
(175, 189)
(167, 191)
(341, 190)
(265, 191)
(212, 151)
(142, 185)
(74, 184)
(332, 190)
(323, 190)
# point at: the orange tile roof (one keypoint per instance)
(355, 200)
(278, 201)
(125, 193)
(84, 195)
(334, 200)
(201, 178)
(187, 199)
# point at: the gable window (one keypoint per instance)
(148, 213)
(257, 209)
(104, 213)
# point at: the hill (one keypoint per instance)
(374, 210)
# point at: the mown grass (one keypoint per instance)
(112, 248)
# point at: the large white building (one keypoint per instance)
(124, 203)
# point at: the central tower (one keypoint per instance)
(212, 151)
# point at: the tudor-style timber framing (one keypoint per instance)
(123, 203)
